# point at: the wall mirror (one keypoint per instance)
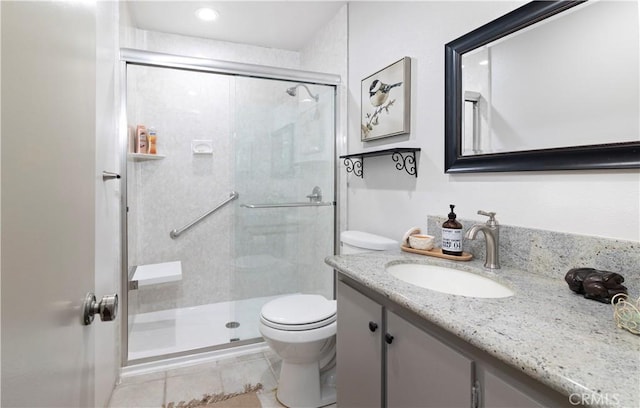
(549, 86)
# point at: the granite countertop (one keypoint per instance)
(561, 339)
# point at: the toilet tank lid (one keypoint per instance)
(366, 240)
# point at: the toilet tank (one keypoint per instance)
(355, 242)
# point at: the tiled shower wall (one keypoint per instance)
(268, 155)
(282, 154)
(166, 194)
(249, 253)
(269, 147)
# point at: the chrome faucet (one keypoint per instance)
(491, 231)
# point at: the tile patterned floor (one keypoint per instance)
(183, 384)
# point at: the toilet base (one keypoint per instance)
(302, 385)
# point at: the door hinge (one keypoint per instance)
(475, 395)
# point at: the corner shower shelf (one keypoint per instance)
(153, 274)
(146, 156)
(403, 162)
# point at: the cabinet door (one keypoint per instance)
(359, 350)
(422, 371)
(501, 393)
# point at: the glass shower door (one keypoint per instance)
(270, 141)
(284, 172)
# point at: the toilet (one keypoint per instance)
(356, 242)
(301, 330)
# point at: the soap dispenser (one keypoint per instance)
(452, 235)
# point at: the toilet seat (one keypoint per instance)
(298, 336)
(299, 313)
(298, 327)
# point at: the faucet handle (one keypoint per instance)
(492, 222)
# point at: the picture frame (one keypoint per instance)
(385, 102)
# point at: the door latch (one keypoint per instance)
(108, 175)
(107, 308)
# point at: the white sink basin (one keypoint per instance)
(451, 281)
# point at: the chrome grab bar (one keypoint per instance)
(177, 232)
(283, 205)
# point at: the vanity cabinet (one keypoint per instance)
(501, 392)
(419, 371)
(358, 349)
(388, 358)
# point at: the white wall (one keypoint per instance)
(388, 202)
(212, 49)
(327, 52)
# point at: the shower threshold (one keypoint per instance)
(178, 330)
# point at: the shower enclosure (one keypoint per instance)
(236, 207)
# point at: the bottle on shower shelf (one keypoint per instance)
(153, 139)
(141, 141)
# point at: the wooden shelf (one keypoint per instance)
(405, 158)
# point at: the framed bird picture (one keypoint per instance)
(386, 101)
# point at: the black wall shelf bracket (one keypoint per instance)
(353, 166)
(404, 157)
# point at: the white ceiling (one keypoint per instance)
(286, 25)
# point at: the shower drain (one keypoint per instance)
(232, 325)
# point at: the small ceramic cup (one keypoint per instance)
(419, 241)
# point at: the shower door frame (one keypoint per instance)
(171, 61)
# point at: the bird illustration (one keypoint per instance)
(379, 92)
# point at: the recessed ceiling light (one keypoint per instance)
(206, 14)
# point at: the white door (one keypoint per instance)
(48, 207)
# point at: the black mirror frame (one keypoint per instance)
(604, 156)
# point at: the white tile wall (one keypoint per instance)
(243, 117)
(169, 193)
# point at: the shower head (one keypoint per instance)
(293, 91)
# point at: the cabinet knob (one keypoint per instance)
(373, 326)
(388, 338)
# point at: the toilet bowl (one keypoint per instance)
(301, 329)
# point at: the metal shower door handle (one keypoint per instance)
(107, 308)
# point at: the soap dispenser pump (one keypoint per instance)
(452, 235)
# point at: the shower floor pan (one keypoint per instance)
(178, 330)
